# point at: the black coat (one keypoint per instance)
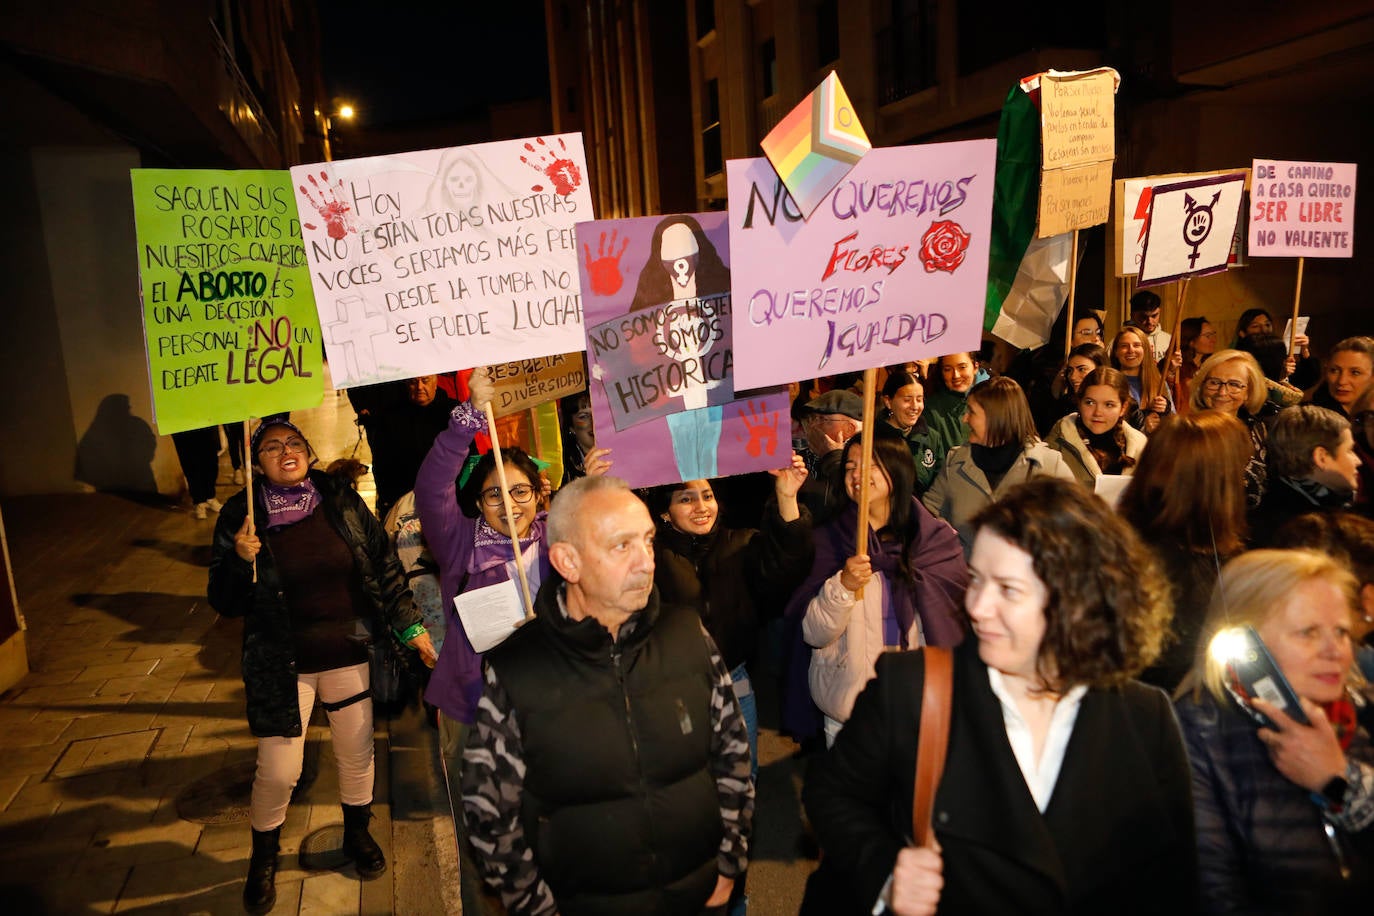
(1117, 836)
(269, 664)
(735, 577)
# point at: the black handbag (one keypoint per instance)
(394, 672)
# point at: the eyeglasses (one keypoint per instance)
(520, 493)
(1214, 384)
(274, 449)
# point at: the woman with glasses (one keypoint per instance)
(465, 524)
(1231, 382)
(315, 578)
(1087, 329)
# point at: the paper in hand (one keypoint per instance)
(1288, 330)
(490, 614)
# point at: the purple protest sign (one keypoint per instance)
(891, 266)
(660, 357)
(1302, 209)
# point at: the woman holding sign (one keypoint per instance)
(327, 579)
(900, 591)
(1131, 357)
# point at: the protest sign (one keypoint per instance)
(817, 143)
(1190, 228)
(1132, 211)
(892, 266)
(1302, 209)
(442, 259)
(1078, 146)
(660, 350)
(521, 384)
(228, 317)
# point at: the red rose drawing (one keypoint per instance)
(943, 246)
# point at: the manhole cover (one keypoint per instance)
(224, 795)
(323, 849)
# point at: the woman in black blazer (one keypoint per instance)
(1066, 787)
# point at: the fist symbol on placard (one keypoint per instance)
(943, 246)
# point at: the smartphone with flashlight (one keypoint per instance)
(1250, 672)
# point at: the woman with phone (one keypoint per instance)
(1283, 814)
(1065, 786)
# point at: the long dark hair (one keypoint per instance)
(894, 460)
(655, 288)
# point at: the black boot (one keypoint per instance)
(358, 844)
(260, 890)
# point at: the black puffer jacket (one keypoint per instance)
(735, 577)
(269, 664)
(1261, 844)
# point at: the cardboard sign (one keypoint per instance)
(1191, 227)
(524, 383)
(892, 266)
(1132, 212)
(443, 259)
(228, 317)
(659, 344)
(817, 143)
(1078, 146)
(1302, 209)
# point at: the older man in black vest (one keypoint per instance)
(608, 769)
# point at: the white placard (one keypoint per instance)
(1110, 487)
(490, 614)
(1191, 227)
(442, 259)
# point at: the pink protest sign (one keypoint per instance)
(1302, 209)
(891, 266)
(656, 303)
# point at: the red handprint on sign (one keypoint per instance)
(329, 205)
(762, 427)
(605, 274)
(555, 165)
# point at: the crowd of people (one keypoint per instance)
(1087, 536)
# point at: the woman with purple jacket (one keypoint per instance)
(467, 531)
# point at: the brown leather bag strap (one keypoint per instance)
(932, 739)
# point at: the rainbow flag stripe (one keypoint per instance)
(816, 144)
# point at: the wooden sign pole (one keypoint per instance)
(1297, 299)
(510, 513)
(1073, 289)
(865, 464)
(248, 485)
(1173, 344)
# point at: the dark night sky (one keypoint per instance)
(429, 61)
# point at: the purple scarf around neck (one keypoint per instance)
(286, 505)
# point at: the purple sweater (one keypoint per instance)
(465, 548)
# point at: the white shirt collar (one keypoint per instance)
(1040, 775)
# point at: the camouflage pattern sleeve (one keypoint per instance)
(493, 778)
(730, 767)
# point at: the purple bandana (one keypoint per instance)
(290, 504)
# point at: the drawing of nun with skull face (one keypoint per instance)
(683, 265)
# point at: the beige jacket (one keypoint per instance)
(1065, 440)
(847, 634)
(962, 489)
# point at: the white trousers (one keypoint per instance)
(350, 728)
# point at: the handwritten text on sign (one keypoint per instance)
(1302, 209)
(227, 311)
(660, 354)
(1079, 143)
(444, 259)
(892, 264)
(525, 383)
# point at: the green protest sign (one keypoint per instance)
(228, 313)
